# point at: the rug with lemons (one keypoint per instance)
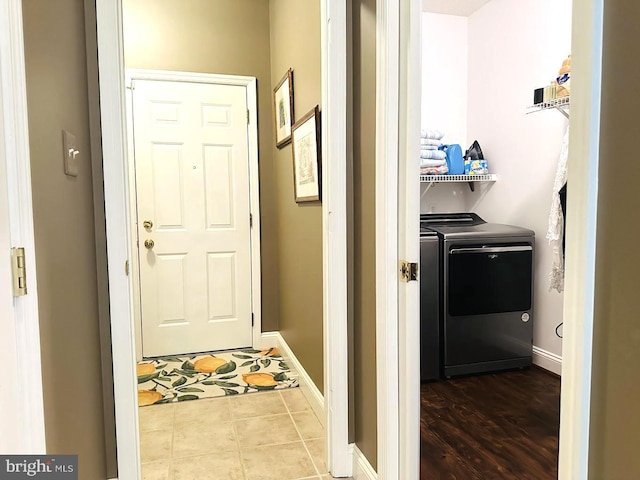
(182, 378)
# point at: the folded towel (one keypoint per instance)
(425, 162)
(443, 170)
(430, 142)
(433, 154)
(428, 147)
(432, 134)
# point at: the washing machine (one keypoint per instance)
(485, 293)
(429, 271)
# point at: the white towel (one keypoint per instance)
(431, 133)
(556, 225)
(443, 170)
(433, 154)
(425, 162)
(429, 141)
(428, 147)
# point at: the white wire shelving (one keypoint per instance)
(561, 104)
(470, 179)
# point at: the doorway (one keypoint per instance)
(194, 171)
(332, 94)
(578, 313)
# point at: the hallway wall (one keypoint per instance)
(295, 43)
(64, 233)
(227, 37)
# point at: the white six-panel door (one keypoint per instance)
(192, 186)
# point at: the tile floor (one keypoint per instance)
(258, 436)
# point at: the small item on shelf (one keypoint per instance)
(454, 158)
(549, 92)
(538, 96)
(563, 79)
(474, 162)
(476, 167)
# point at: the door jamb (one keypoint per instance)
(250, 85)
(113, 113)
(23, 407)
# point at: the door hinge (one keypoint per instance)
(126, 268)
(252, 319)
(248, 117)
(19, 271)
(408, 271)
(251, 220)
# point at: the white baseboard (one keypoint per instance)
(267, 340)
(362, 469)
(308, 388)
(547, 360)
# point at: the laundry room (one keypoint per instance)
(495, 118)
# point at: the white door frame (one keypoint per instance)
(21, 403)
(396, 78)
(250, 85)
(117, 201)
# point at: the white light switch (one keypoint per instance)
(70, 154)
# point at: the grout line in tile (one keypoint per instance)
(235, 433)
(303, 442)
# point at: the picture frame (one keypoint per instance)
(283, 109)
(307, 157)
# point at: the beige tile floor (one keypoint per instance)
(257, 436)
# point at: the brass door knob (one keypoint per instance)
(147, 224)
(149, 243)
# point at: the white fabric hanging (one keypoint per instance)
(555, 232)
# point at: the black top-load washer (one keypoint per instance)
(485, 295)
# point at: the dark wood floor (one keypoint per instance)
(485, 427)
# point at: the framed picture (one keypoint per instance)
(283, 108)
(307, 159)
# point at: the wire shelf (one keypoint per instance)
(561, 104)
(490, 177)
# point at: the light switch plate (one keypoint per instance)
(70, 154)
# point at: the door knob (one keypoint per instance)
(149, 243)
(147, 224)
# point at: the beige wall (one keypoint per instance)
(364, 126)
(295, 43)
(615, 414)
(64, 233)
(227, 37)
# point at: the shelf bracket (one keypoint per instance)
(563, 111)
(472, 186)
(429, 185)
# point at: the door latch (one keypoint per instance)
(19, 272)
(408, 271)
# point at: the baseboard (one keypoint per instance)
(267, 340)
(308, 388)
(547, 360)
(362, 469)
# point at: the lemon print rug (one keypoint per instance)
(182, 378)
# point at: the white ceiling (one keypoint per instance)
(462, 8)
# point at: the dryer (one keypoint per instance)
(485, 293)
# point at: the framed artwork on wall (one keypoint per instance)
(283, 108)
(307, 158)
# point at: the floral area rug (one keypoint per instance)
(181, 378)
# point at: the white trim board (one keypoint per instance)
(547, 360)
(362, 469)
(386, 237)
(250, 85)
(24, 414)
(307, 386)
